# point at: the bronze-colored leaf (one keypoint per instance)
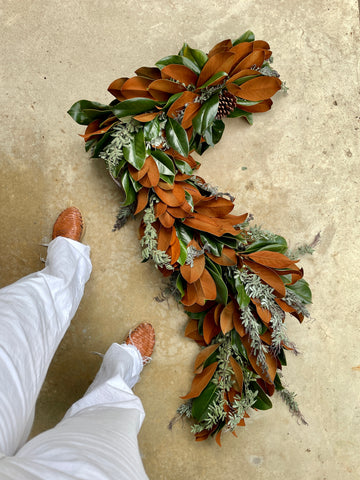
(200, 381)
(189, 114)
(215, 207)
(193, 273)
(174, 197)
(239, 327)
(267, 275)
(166, 220)
(226, 259)
(212, 66)
(210, 329)
(149, 72)
(180, 73)
(146, 117)
(163, 89)
(136, 87)
(164, 238)
(260, 88)
(268, 376)
(238, 373)
(142, 200)
(226, 318)
(257, 58)
(179, 104)
(271, 259)
(203, 356)
(222, 46)
(115, 88)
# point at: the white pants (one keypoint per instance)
(97, 439)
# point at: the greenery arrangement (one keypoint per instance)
(236, 282)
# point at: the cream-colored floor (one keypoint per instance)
(301, 177)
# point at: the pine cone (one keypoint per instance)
(227, 104)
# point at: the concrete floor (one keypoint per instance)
(302, 177)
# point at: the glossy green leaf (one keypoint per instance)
(215, 246)
(84, 111)
(189, 200)
(178, 60)
(176, 137)
(302, 290)
(242, 80)
(249, 103)
(196, 56)
(282, 358)
(101, 144)
(180, 286)
(277, 383)
(133, 106)
(237, 344)
(135, 153)
(248, 36)
(183, 167)
(152, 129)
(242, 298)
(206, 115)
(263, 402)
(241, 113)
(201, 404)
(278, 244)
(221, 288)
(212, 79)
(130, 194)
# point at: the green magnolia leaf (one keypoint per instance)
(282, 358)
(84, 111)
(278, 244)
(178, 60)
(180, 286)
(249, 103)
(189, 200)
(101, 144)
(221, 288)
(183, 167)
(277, 383)
(242, 80)
(196, 56)
(201, 404)
(237, 343)
(242, 298)
(215, 77)
(206, 115)
(172, 100)
(135, 154)
(248, 36)
(176, 137)
(133, 106)
(263, 402)
(128, 189)
(152, 129)
(302, 290)
(241, 113)
(212, 243)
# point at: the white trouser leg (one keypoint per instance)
(34, 315)
(97, 439)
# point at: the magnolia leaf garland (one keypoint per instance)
(236, 282)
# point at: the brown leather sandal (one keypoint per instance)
(143, 338)
(69, 224)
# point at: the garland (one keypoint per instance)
(236, 282)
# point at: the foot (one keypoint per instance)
(69, 224)
(143, 338)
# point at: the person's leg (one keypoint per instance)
(34, 315)
(97, 439)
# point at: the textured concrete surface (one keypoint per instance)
(302, 177)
